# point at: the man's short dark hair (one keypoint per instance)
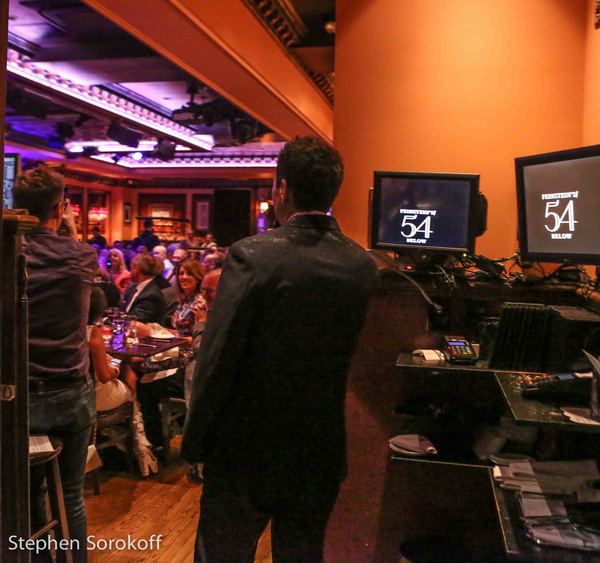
(38, 190)
(147, 223)
(313, 171)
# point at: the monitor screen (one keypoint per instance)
(558, 203)
(11, 171)
(423, 211)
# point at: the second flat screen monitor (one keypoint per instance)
(426, 211)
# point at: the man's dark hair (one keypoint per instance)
(313, 170)
(38, 190)
(98, 305)
(200, 233)
(147, 223)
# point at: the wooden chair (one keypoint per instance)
(113, 428)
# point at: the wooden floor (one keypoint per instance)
(129, 506)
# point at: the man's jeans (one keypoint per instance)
(68, 415)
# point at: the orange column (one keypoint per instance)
(458, 86)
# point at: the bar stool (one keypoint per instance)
(55, 494)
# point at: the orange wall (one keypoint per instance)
(465, 86)
(591, 107)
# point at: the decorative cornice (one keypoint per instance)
(167, 183)
(263, 160)
(281, 19)
(284, 23)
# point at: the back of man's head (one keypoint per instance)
(39, 190)
(313, 171)
(147, 223)
(146, 264)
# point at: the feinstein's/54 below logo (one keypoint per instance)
(413, 226)
(560, 212)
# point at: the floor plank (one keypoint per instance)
(129, 506)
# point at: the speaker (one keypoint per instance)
(123, 135)
(164, 149)
(480, 216)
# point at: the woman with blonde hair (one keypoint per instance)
(119, 274)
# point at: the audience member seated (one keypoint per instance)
(119, 273)
(143, 298)
(112, 392)
(188, 321)
(179, 254)
(214, 260)
(158, 272)
(102, 280)
(161, 252)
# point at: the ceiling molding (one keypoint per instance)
(167, 183)
(281, 19)
(284, 23)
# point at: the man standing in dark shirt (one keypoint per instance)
(61, 398)
(266, 413)
(97, 238)
(147, 238)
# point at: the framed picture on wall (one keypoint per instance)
(162, 210)
(202, 214)
(127, 213)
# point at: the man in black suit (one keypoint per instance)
(146, 238)
(266, 414)
(143, 298)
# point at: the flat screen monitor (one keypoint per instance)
(424, 212)
(558, 204)
(12, 168)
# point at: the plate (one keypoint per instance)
(162, 336)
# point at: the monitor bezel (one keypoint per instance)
(548, 158)
(375, 214)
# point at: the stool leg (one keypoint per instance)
(165, 414)
(55, 488)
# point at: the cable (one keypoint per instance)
(394, 268)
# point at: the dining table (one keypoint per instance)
(145, 347)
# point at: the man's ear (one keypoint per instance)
(56, 212)
(284, 191)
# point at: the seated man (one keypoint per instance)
(161, 252)
(143, 298)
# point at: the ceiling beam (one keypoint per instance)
(226, 47)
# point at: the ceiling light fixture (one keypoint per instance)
(106, 101)
(112, 146)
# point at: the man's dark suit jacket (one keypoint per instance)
(149, 306)
(267, 406)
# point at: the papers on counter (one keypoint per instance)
(543, 488)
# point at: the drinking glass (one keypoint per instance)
(131, 336)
